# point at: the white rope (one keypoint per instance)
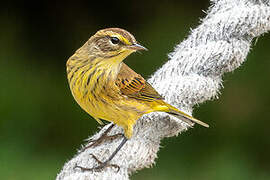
(192, 75)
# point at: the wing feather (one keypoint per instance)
(134, 85)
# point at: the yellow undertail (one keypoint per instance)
(165, 107)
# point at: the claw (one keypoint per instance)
(99, 168)
(105, 164)
(102, 139)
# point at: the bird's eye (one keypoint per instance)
(115, 40)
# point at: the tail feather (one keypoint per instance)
(165, 107)
(186, 118)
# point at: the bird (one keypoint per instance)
(108, 89)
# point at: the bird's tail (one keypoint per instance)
(184, 117)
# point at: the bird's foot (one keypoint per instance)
(100, 167)
(101, 139)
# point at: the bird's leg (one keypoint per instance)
(105, 164)
(103, 138)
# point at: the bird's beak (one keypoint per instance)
(137, 47)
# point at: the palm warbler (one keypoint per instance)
(108, 89)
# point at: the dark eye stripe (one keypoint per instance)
(119, 43)
(115, 40)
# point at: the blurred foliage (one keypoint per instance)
(41, 126)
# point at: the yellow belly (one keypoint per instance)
(107, 103)
(102, 99)
(122, 111)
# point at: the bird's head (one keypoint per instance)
(112, 43)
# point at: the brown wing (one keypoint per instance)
(134, 85)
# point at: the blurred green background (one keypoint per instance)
(41, 126)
